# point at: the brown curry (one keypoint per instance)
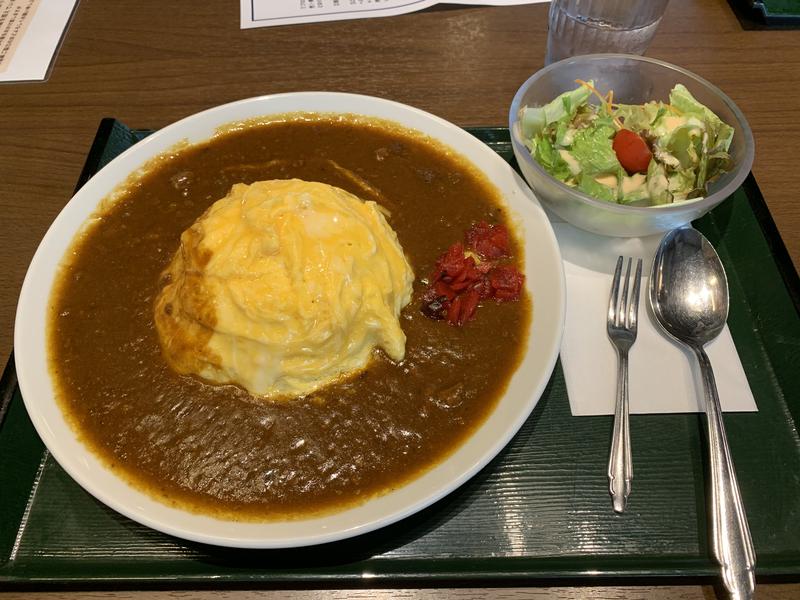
(216, 449)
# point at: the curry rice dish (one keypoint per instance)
(217, 449)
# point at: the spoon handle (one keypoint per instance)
(620, 463)
(730, 535)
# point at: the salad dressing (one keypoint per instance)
(633, 183)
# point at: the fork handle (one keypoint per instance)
(730, 534)
(620, 464)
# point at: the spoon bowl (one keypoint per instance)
(689, 289)
(689, 298)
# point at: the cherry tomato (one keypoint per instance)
(632, 151)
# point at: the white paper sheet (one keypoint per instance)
(663, 377)
(30, 34)
(266, 13)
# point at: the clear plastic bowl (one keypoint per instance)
(634, 79)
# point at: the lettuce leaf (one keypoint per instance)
(546, 155)
(592, 148)
(718, 163)
(640, 117)
(658, 183)
(589, 185)
(720, 134)
(681, 184)
(686, 142)
(535, 118)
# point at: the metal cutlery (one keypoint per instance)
(689, 298)
(623, 312)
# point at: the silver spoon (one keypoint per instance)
(689, 298)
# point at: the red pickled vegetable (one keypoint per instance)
(451, 262)
(460, 282)
(488, 241)
(454, 312)
(469, 305)
(506, 283)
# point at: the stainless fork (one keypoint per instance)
(622, 320)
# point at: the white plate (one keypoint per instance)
(544, 279)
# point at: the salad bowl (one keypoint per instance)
(633, 80)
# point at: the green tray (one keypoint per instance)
(767, 14)
(779, 12)
(539, 511)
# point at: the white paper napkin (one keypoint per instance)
(663, 377)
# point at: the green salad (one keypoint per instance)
(635, 154)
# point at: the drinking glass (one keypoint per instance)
(598, 26)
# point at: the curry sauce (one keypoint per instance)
(218, 450)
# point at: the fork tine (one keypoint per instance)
(612, 303)
(634, 310)
(620, 317)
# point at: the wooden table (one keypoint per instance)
(149, 62)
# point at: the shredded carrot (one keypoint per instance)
(606, 101)
(677, 111)
(592, 89)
